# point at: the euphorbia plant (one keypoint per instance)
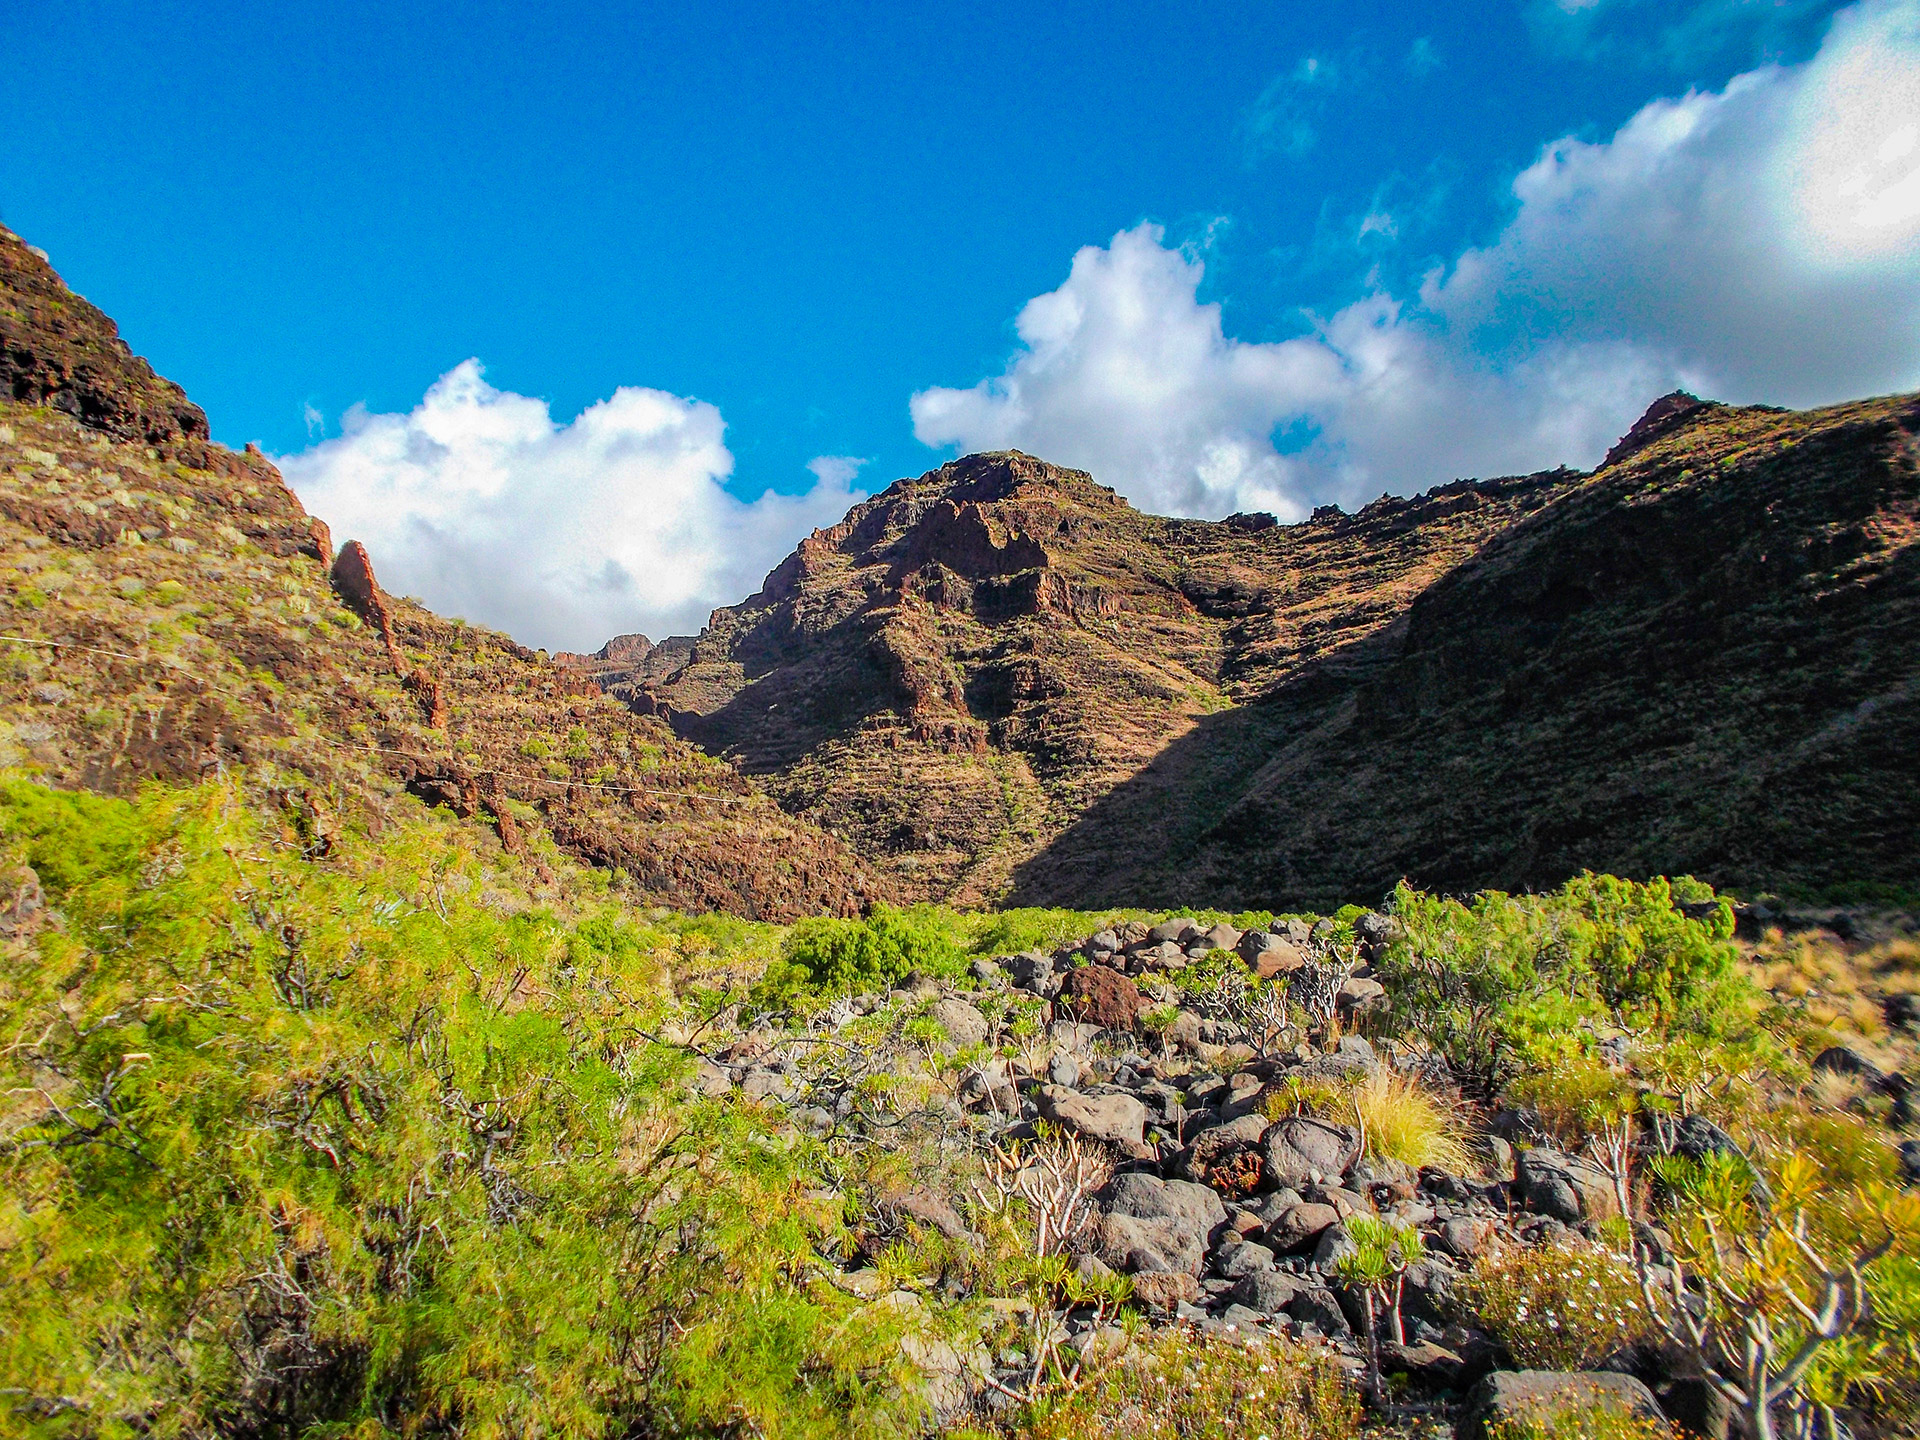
(1377, 1267)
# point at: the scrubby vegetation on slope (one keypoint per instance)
(369, 1142)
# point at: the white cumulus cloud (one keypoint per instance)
(562, 534)
(1756, 243)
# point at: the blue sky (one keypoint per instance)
(785, 223)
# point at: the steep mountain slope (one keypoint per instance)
(167, 611)
(953, 674)
(1701, 660)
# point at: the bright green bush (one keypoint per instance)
(1509, 983)
(825, 955)
(356, 1146)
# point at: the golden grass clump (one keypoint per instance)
(1405, 1121)
(1402, 1119)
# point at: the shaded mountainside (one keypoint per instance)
(1000, 681)
(957, 671)
(1701, 660)
(169, 613)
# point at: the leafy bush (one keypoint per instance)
(287, 1145)
(1557, 1307)
(1506, 984)
(1005, 932)
(860, 956)
(1193, 1387)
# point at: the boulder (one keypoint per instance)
(1465, 1236)
(1318, 1306)
(1373, 932)
(926, 1207)
(1300, 1226)
(1334, 1244)
(1359, 993)
(1509, 1397)
(1426, 1292)
(1231, 1262)
(1301, 1150)
(1226, 1155)
(1175, 929)
(1222, 937)
(1111, 1119)
(1165, 1289)
(1165, 955)
(1172, 1219)
(1429, 1366)
(1269, 955)
(1091, 1269)
(1839, 1060)
(1562, 1187)
(1269, 1291)
(965, 1026)
(1697, 1137)
(1069, 1035)
(943, 1380)
(1103, 997)
(1698, 1408)
(1033, 970)
(1182, 1033)
(712, 1080)
(761, 1083)
(1100, 1347)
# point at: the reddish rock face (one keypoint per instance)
(956, 671)
(1103, 997)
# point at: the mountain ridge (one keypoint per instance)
(1000, 681)
(171, 610)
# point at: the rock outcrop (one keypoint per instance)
(1698, 660)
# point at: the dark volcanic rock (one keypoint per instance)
(59, 351)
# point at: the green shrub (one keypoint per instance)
(296, 1148)
(1505, 984)
(836, 956)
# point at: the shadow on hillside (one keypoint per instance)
(1191, 827)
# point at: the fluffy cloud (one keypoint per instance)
(562, 534)
(1758, 243)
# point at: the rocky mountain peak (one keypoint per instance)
(58, 350)
(1665, 416)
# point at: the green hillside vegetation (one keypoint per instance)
(371, 1144)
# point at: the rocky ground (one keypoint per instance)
(1192, 1140)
